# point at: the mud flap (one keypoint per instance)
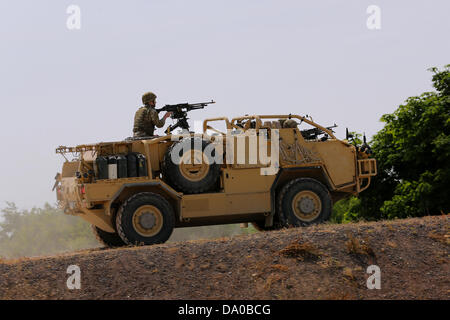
(99, 219)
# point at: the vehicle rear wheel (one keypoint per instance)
(145, 218)
(108, 239)
(305, 201)
(194, 170)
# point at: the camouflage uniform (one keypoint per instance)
(146, 118)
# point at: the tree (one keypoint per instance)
(413, 155)
(42, 231)
(47, 230)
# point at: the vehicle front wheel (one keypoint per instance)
(144, 219)
(305, 201)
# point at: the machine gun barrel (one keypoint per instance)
(331, 127)
(188, 106)
(313, 133)
(179, 112)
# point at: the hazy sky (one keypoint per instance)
(68, 87)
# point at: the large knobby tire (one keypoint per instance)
(304, 201)
(108, 239)
(144, 219)
(191, 177)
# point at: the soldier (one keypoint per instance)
(146, 118)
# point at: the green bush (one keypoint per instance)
(413, 156)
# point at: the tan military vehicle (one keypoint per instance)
(133, 192)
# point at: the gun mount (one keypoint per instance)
(179, 112)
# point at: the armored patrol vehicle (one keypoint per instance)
(274, 171)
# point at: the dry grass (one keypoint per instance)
(443, 238)
(390, 227)
(204, 266)
(16, 260)
(301, 251)
(172, 250)
(358, 246)
(179, 262)
(271, 279)
(347, 272)
(222, 267)
(391, 244)
(280, 267)
(330, 263)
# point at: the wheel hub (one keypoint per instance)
(306, 205)
(147, 221)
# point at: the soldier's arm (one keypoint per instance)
(155, 119)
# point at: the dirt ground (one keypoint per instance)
(319, 262)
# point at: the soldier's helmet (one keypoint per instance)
(148, 97)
